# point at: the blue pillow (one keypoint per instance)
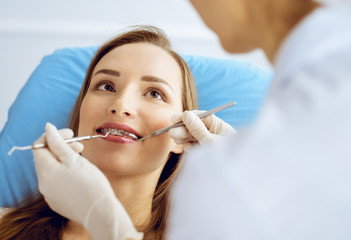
(51, 91)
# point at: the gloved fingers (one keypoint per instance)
(195, 126)
(78, 147)
(179, 133)
(183, 141)
(58, 146)
(228, 129)
(213, 124)
(177, 117)
(43, 160)
(41, 157)
(41, 139)
(66, 133)
(189, 145)
(217, 126)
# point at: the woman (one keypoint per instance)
(135, 83)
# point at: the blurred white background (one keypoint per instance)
(32, 29)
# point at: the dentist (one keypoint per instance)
(288, 176)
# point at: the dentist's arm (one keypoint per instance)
(198, 130)
(78, 190)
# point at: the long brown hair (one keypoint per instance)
(32, 219)
(24, 219)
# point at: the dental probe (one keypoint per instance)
(180, 124)
(42, 145)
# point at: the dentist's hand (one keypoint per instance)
(78, 190)
(198, 130)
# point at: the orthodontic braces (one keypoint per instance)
(118, 132)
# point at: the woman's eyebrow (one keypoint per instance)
(108, 72)
(144, 78)
(156, 79)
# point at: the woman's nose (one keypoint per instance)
(123, 106)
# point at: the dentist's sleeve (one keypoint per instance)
(235, 190)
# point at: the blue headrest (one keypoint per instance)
(51, 91)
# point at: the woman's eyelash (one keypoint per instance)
(109, 86)
(162, 95)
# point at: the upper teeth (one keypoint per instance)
(119, 132)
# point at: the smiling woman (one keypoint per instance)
(140, 107)
(133, 86)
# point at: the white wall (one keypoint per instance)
(31, 29)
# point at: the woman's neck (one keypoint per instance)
(277, 21)
(136, 195)
(75, 231)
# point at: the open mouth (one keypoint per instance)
(118, 132)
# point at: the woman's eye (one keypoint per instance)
(106, 87)
(156, 94)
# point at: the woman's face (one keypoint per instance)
(136, 88)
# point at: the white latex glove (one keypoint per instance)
(198, 130)
(78, 190)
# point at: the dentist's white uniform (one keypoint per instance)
(289, 177)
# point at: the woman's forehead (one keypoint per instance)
(142, 59)
(139, 52)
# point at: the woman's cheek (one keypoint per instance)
(164, 122)
(88, 112)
